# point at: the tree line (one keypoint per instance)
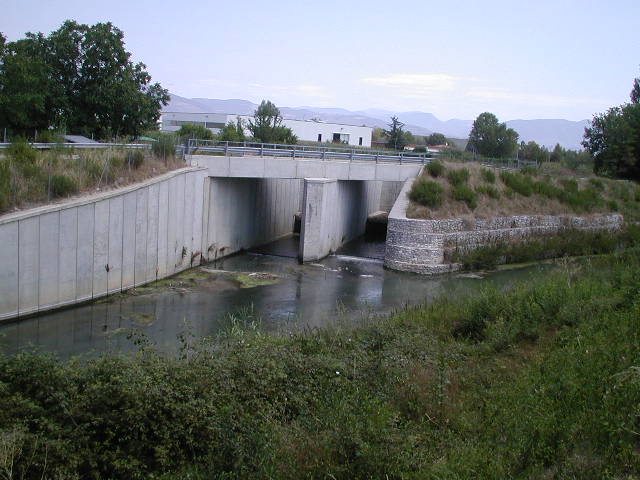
(78, 79)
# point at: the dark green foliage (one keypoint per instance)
(436, 139)
(395, 135)
(533, 152)
(597, 183)
(435, 169)
(427, 193)
(63, 186)
(529, 171)
(232, 132)
(21, 152)
(518, 183)
(506, 384)
(489, 191)
(614, 141)
(569, 184)
(463, 193)
(5, 183)
(196, 131)
(458, 177)
(79, 78)
(165, 146)
(491, 138)
(488, 175)
(266, 126)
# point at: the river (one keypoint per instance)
(266, 287)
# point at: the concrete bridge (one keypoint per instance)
(93, 246)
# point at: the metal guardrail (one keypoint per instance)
(245, 149)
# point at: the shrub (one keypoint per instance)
(21, 152)
(569, 184)
(435, 169)
(463, 193)
(529, 171)
(518, 183)
(427, 193)
(458, 177)
(62, 185)
(5, 183)
(195, 131)
(165, 146)
(488, 190)
(597, 183)
(488, 175)
(135, 158)
(613, 205)
(547, 190)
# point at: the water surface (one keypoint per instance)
(346, 287)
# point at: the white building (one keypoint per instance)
(305, 130)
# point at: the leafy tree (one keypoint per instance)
(267, 125)
(557, 154)
(436, 139)
(395, 134)
(635, 91)
(491, 138)
(534, 152)
(614, 141)
(232, 132)
(193, 130)
(408, 137)
(79, 77)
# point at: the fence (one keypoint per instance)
(59, 170)
(244, 149)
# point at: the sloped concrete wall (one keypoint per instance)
(247, 212)
(87, 248)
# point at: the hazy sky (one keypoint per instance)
(456, 59)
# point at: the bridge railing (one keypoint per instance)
(247, 149)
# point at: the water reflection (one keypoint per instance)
(308, 296)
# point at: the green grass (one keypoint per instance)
(538, 382)
(458, 177)
(570, 243)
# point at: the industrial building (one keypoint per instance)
(305, 130)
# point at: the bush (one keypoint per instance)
(164, 146)
(597, 183)
(135, 158)
(488, 175)
(569, 184)
(21, 152)
(199, 132)
(5, 184)
(518, 183)
(427, 193)
(463, 193)
(458, 177)
(62, 186)
(488, 190)
(435, 169)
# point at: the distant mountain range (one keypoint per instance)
(544, 131)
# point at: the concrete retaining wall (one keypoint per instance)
(422, 246)
(247, 212)
(334, 212)
(87, 248)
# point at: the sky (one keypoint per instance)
(453, 58)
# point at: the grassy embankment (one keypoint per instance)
(539, 382)
(447, 190)
(30, 177)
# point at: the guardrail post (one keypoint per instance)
(400, 158)
(294, 152)
(351, 156)
(261, 148)
(324, 151)
(226, 148)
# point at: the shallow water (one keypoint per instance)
(347, 287)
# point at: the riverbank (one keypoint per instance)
(538, 382)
